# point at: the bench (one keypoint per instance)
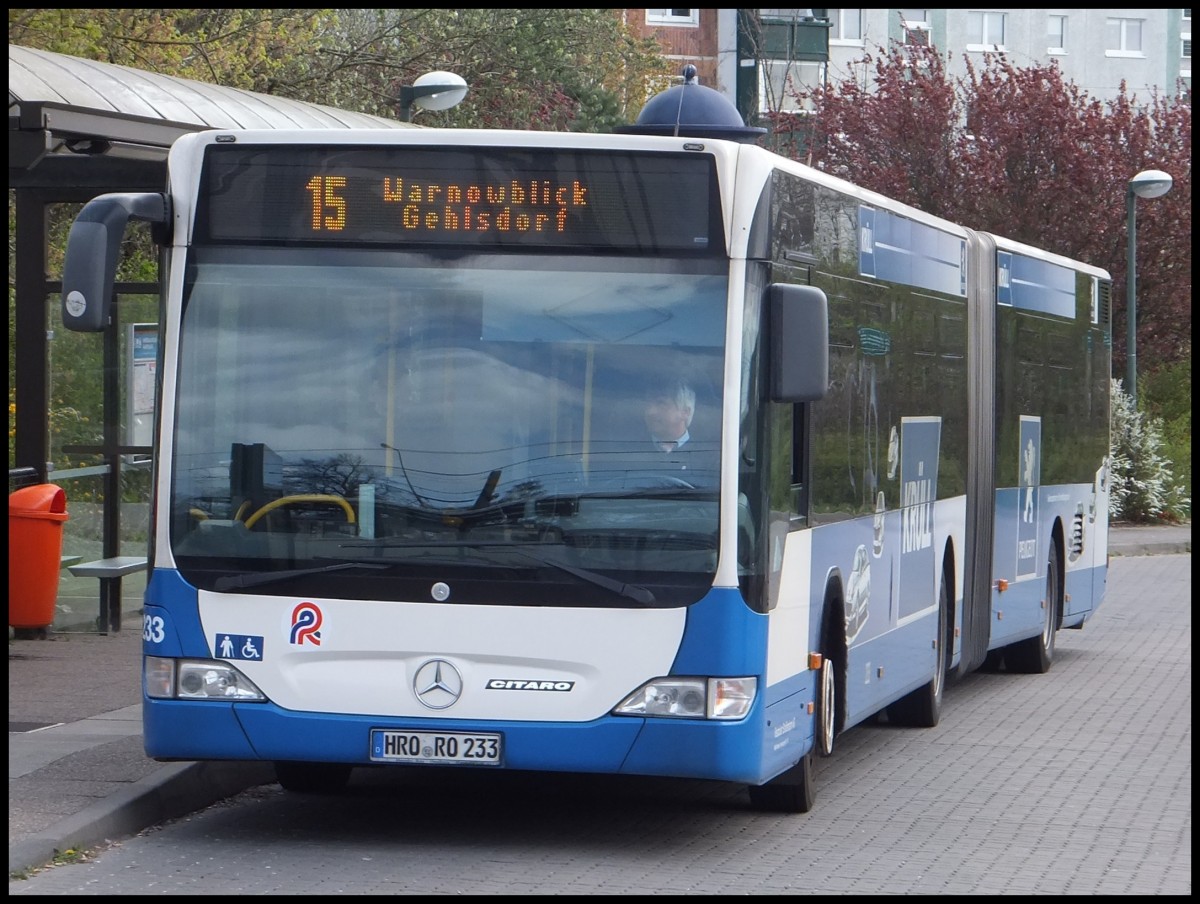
(109, 571)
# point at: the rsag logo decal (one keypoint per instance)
(306, 625)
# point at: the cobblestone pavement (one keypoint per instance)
(77, 773)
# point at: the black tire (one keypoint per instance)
(923, 707)
(825, 726)
(312, 778)
(1034, 655)
(994, 661)
(795, 790)
(792, 792)
(831, 680)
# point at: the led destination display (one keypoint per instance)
(451, 196)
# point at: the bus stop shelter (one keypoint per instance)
(76, 129)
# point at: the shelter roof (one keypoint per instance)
(64, 110)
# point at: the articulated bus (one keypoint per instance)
(404, 509)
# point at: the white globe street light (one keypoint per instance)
(1146, 184)
(432, 91)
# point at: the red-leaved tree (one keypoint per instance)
(1023, 153)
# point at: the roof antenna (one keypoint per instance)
(689, 78)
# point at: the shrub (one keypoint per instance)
(1167, 393)
(1142, 486)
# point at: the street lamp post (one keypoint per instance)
(1146, 184)
(432, 91)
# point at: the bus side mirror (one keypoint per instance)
(93, 247)
(798, 324)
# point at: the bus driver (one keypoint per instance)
(668, 412)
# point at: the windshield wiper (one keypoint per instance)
(635, 592)
(258, 578)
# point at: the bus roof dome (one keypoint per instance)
(693, 111)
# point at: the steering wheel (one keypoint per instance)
(673, 481)
(302, 497)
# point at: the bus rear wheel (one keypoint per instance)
(312, 778)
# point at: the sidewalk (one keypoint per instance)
(76, 771)
(77, 775)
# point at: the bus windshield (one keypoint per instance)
(476, 427)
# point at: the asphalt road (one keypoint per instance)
(1074, 782)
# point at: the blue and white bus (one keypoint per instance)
(403, 511)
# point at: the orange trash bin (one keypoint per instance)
(35, 531)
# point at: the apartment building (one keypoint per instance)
(755, 57)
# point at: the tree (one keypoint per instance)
(581, 70)
(898, 138)
(576, 70)
(1022, 153)
(253, 49)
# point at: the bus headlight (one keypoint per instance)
(197, 679)
(691, 698)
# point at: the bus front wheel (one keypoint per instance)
(792, 792)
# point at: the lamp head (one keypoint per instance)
(1150, 183)
(439, 90)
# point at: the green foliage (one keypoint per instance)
(1142, 486)
(580, 70)
(253, 49)
(1167, 392)
(1167, 395)
(61, 858)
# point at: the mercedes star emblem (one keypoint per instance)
(437, 684)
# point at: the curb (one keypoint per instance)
(175, 790)
(1153, 549)
(1130, 545)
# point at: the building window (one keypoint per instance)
(1185, 46)
(985, 30)
(846, 26)
(687, 18)
(1056, 34)
(1123, 38)
(781, 81)
(915, 26)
